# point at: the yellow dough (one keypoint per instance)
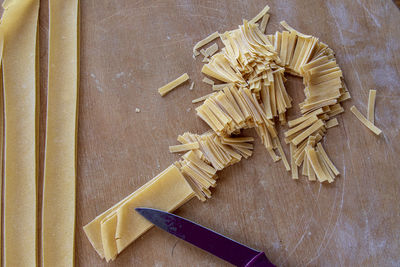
(108, 227)
(19, 26)
(1, 119)
(58, 223)
(167, 191)
(93, 229)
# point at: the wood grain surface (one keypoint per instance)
(130, 48)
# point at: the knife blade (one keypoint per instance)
(206, 239)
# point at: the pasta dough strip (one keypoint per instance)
(58, 222)
(19, 26)
(1, 126)
(93, 228)
(166, 191)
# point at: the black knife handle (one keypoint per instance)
(260, 260)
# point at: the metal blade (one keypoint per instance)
(206, 239)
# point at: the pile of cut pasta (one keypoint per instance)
(252, 68)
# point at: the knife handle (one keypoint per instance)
(260, 260)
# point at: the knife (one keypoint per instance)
(206, 239)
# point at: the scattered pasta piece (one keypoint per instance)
(172, 85)
(371, 106)
(203, 42)
(364, 121)
(191, 86)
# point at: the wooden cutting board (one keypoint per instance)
(130, 48)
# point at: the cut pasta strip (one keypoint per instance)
(282, 153)
(217, 87)
(301, 126)
(325, 168)
(313, 128)
(344, 97)
(203, 42)
(295, 172)
(304, 170)
(172, 85)
(264, 23)
(326, 159)
(184, 147)
(19, 25)
(310, 171)
(332, 123)
(208, 81)
(364, 121)
(274, 157)
(58, 221)
(211, 50)
(260, 15)
(371, 106)
(202, 98)
(238, 139)
(303, 118)
(315, 165)
(191, 156)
